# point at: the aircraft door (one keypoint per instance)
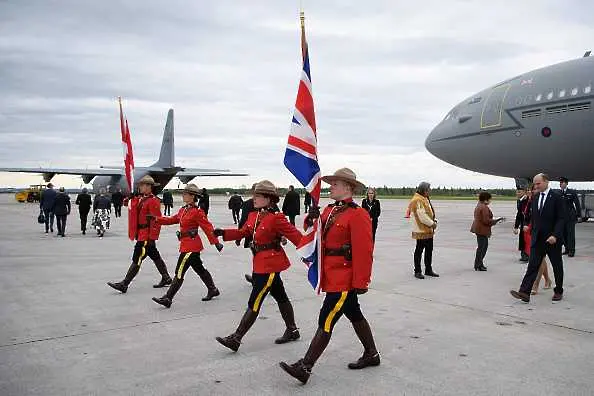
(492, 113)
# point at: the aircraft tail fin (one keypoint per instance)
(167, 155)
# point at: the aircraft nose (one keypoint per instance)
(438, 135)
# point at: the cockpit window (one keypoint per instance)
(538, 97)
(475, 100)
(550, 95)
(587, 89)
(562, 93)
(574, 91)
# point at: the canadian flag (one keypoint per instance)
(127, 146)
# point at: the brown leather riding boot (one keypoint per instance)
(209, 283)
(301, 369)
(123, 285)
(291, 332)
(165, 278)
(233, 341)
(370, 356)
(167, 299)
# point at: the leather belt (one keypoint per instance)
(185, 234)
(266, 246)
(344, 251)
(141, 226)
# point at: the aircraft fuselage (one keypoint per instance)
(541, 121)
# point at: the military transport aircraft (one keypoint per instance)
(539, 121)
(111, 178)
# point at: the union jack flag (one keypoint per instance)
(301, 159)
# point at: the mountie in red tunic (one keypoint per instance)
(190, 218)
(351, 225)
(139, 227)
(267, 228)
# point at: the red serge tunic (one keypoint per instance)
(139, 227)
(266, 228)
(351, 225)
(191, 217)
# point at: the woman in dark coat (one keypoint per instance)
(372, 205)
(481, 226)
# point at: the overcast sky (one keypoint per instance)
(384, 74)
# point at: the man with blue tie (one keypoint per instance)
(548, 224)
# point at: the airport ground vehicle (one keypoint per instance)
(31, 194)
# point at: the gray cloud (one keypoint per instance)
(384, 73)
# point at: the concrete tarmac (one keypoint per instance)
(63, 331)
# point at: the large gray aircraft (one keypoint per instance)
(540, 121)
(111, 178)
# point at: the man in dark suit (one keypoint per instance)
(548, 223)
(292, 204)
(117, 199)
(84, 206)
(61, 209)
(574, 211)
(46, 203)
(521, 204)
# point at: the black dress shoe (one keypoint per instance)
(431, 273)
(571, 254)
(418, 275)
(520, 296)
(481, 268)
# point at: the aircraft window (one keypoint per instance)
(550, 95)
(475, 100)
(588, 89)
(562, 93)
(538, 97)
(574, 91)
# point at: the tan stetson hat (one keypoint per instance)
(192, 189)
(347, 176)
(265, 187)
(148, 180)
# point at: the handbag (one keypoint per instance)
(41, 217)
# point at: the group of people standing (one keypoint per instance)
(346, 260)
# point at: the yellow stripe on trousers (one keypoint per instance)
(180, 272)
(262, 292)
(142, 254)
(337, 307)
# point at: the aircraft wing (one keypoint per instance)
(188, 174)
(48, 173)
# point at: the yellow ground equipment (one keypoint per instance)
(31, 194)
